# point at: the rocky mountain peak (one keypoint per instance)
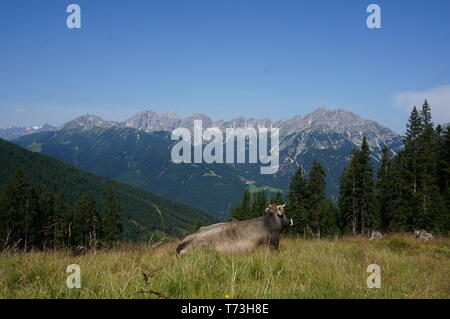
(87, 122)
(188, 122)
(149, 121)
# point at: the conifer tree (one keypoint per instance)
(348, 200)
(44, 221)
(86, 222)
(369, 217)
(246, 205)
(401, 204)
(296, 203)
(444, 180)
(61, 223)
(235, 211)
(383, 190)
(410, 166)
(259, 204)
(262, 202)
(316, 197)
(429, 198)
(112, 226)
(356, 193)
(329, 224)
(243, 210)
(277, 198)
(20, 209)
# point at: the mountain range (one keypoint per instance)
(12, 132)
(137, 151)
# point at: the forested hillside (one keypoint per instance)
(408, 191)
(145, 214)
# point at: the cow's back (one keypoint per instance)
(229, 237)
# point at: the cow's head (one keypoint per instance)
(278, 210)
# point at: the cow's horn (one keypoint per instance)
(283, 205)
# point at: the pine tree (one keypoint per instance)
(316, 196)
(61, 223)
(410, 166)
(384, 190)
(245, 205)
(112, 226)
(313, 215)
(444, 180)
(243, 210)
(235, 212)
(259, 204)
(349, 195)
(347, 205)
(443, 171)
(428, 194)
(44, 220)
(296, 203)
(401, 204)
(86, 222)
(254, 205)
(297, 186)
(262, 203)
(356, 201)
(369, 218)
(20, 209)
(329, 225)
(416, 176)
(277, 198)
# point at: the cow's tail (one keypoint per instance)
(182, 246)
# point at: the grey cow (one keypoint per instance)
(240, 236)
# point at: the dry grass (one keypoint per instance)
(301, 269)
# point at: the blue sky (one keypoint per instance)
(224, 58)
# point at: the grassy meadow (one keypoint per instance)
(301, 269)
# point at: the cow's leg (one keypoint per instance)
(273, 244)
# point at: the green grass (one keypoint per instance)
(35, 147)
(254, 189)
(301, 269)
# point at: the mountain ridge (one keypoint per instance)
(12, 132)
(127, 153)
(333, 120)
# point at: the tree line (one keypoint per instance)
(29, 220)
(313, 214)
(253, 203)
(404, 191)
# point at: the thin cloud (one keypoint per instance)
(24, 109)
(438, 98)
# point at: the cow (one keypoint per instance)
(240, 236)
